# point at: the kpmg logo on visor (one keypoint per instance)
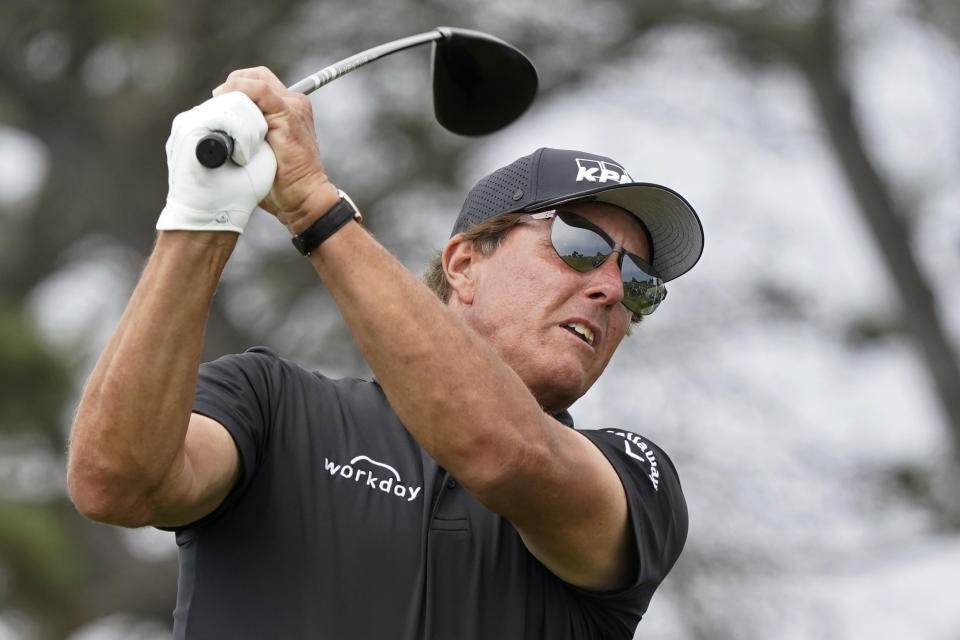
(375, 476)
(601, 172)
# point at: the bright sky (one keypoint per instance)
(22, 166)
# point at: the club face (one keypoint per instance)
(480, 84)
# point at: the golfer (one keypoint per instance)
(447, 498)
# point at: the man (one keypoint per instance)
(448, 498)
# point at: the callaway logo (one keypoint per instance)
(376, 476)
(601, 171)
(637, 449)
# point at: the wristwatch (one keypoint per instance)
(328, 224)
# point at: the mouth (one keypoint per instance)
(581, 331)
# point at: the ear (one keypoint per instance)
(459, 258)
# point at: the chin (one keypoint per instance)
(560, 389)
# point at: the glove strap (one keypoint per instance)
(328, 224)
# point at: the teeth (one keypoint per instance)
(582, 330)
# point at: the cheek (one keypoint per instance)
(515, 282)
(500, 298)
(522, 285)
(616, 332)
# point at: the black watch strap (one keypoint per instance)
(325, 226)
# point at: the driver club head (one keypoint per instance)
(480, 83)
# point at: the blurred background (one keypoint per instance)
(804, 377)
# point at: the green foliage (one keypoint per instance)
(871, 330)
(34, 541)
(34, 384)
(121, 17)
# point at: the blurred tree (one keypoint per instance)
(809, 37)
(98, 81)
(814, 45)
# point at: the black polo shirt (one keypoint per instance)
(342, 527)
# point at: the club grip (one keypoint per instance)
(214, 149)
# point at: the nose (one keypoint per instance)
(605, 283)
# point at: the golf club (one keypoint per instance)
(480, 84)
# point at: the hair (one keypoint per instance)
(486, 238)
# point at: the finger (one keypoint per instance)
(266, 95)
(256, 73)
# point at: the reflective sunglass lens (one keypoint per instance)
(642, 291)
(584, 247)
(580, 248)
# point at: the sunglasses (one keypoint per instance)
(584, 247)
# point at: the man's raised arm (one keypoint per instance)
(137, 454)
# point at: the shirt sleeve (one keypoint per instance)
(239, 392)
(658, 514)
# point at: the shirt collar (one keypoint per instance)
(564, 417)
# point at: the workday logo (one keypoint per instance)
(636, 448)
(375, 476)
(601, 171)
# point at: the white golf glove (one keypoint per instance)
(220, 199)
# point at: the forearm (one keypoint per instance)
(451, 390)
(130, 426)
